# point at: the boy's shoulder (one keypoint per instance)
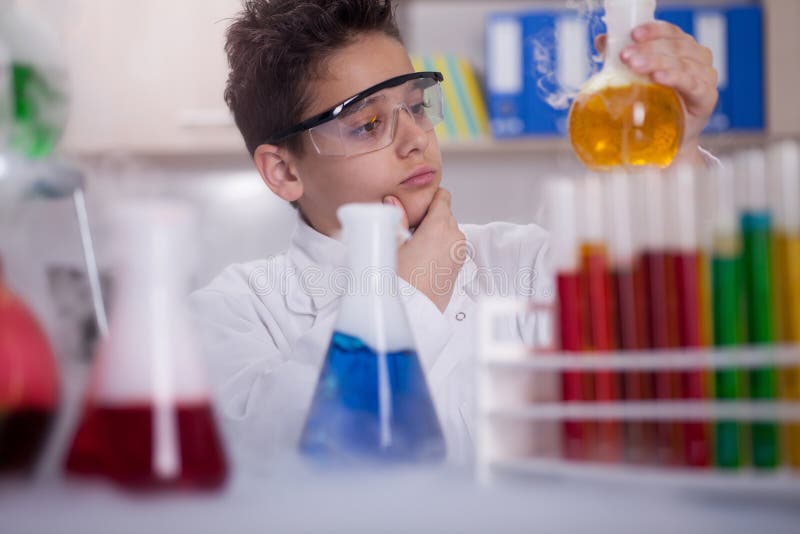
(493, 245)
(499, 244)
(245, 277)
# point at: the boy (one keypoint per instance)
(266, 324)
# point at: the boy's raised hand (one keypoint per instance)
(673, 58)
(432, 258)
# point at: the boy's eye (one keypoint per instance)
(419, 109)
(368, 127)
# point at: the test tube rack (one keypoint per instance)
(519, 407)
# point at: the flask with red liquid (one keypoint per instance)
(28, 385)
(147, 421)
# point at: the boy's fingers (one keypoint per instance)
(600, 43)
(394, 201)
(438, 211)
(442, 196)
(699, 93)
(682, 48)
(695, 81)
(656, 30)
(440, 205)
(656, 62)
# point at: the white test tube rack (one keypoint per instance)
(512, 358)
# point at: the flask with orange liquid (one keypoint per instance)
(620, 118)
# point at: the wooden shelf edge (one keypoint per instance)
(542, 145)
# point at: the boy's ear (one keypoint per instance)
(274, 165)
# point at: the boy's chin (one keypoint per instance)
(416, 205)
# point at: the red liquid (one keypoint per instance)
(23, 433)
(573, 388)
(697, 441)
(659, 275)
(597, 291)
(117, 442)
(633, 334)
(28, 385)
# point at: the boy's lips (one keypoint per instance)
(421, 176)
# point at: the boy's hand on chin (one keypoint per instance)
(432, 258)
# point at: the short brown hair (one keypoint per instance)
(276, 47)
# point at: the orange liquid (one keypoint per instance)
(632, 125)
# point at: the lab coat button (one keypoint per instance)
(460, 316)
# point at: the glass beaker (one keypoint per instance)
(28, 385)
(147, 421)
(39, 81)
(372, 401)
(620, 118)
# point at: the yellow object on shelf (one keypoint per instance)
(465, 115)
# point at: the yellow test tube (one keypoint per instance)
(784, 172)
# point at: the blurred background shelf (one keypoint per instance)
(154, 85)
(544, 146)
(146, 83)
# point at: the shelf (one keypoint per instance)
(507, 146)
(556, 145)
(702, 411)
(746, 357)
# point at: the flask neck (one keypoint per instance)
(155, 253)
(621, 18)
(371, 309)
(370, 233)
(371, 247)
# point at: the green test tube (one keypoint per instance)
(756, 227)
(727, 304)
(728, 331)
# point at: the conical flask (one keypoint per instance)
(147, 420)
(28, 385)
(620, 118)
(372, 402)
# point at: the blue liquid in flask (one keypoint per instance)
(351, 417)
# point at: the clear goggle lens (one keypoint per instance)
(370, 124)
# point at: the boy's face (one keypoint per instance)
(329, 182)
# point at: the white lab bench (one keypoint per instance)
(294, 498)
(291, 496)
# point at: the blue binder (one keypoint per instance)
(517, 88)
(505, 85)
(735, 35)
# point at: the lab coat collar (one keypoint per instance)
(315, 256)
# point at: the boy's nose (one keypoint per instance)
(408, 133)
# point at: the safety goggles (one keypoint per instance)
(367, 121)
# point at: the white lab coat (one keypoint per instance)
(265, 327)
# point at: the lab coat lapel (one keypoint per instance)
(447, 360)
(314, 258)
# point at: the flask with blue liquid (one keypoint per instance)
(372, 402)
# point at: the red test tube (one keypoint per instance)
(599, 324)
(560, 194)
(662, 307)
(684, 249)
(631, 310)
